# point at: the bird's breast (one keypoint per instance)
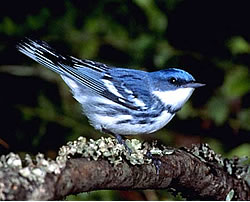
(174, 98)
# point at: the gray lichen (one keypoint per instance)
(230, 195)
(33, 169)
(206, 154)
(237, 167)
(234, 166)
(36, 171)
(23, 172)
(108, 148)
(10, 160)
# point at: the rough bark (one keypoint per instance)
(181, 170)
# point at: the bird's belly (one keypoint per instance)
(129, 125)
(106, 115)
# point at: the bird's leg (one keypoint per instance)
(156, 161)
(121, 140)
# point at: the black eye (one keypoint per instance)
(172, 80)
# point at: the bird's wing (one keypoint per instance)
(130, 84)
(95, 76)
(109, 87)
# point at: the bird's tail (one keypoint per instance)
(42, 53)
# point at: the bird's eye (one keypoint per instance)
(172, 80)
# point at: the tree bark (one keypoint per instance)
(181, 170)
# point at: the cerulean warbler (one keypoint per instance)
(118, 101)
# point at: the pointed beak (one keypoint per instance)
(193, 85)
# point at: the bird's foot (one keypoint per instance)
(120, 140)
(156, 161)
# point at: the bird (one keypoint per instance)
(119, 101)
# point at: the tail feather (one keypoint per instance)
(85, 72)
(42, 53)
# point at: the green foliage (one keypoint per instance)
(237, 82)
(105, 195)
(8, 26)
(240, 151)
(157, 20)
(218, 109)
(238, 45)
(243, 119)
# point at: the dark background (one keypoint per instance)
(209, 39)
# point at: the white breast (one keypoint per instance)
(132, 129)
(176, 98)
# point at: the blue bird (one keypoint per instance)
(117, 101)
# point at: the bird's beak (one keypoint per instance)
(193, 85)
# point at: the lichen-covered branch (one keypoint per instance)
(84, 166)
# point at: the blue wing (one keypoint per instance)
(131, 84)
(123, 86)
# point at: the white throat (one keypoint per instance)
(175, 98)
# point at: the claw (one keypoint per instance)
(120, 140)
(156, 161)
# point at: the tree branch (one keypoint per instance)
(198, 173)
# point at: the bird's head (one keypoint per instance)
(173, 86)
